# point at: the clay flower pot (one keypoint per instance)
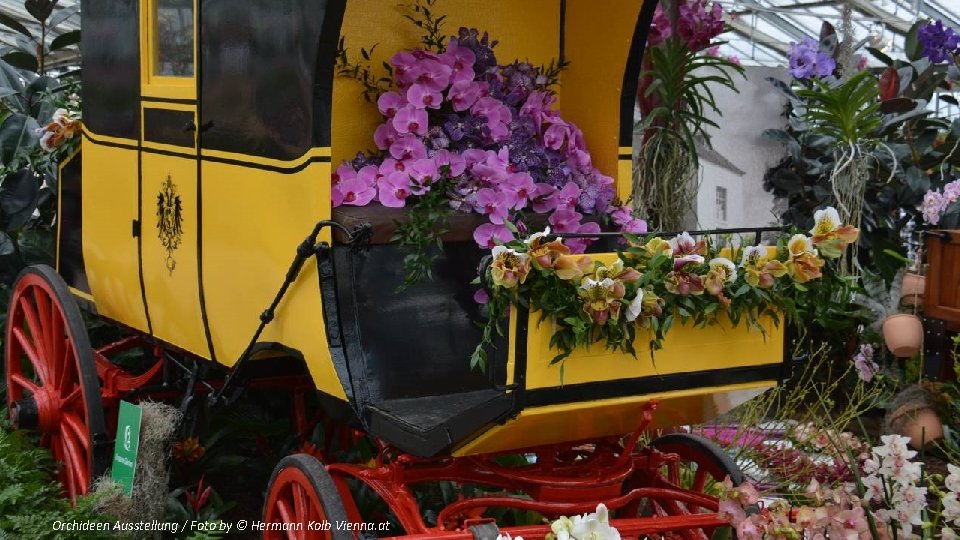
(903, 334)
(920, 424)
(911, 292)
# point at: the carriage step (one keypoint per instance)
(425, 426)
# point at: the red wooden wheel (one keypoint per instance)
(701, 465)
(51, 377)
(300, 496)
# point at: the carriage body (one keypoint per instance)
(209, 139)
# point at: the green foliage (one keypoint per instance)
(682, 82)
(30, 500)
(28, 99)
(422, 232)
(905, 155)
(847, 111)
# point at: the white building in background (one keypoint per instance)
(731, 172)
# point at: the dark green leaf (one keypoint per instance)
(22, 60)
(40, 9)
(65, 40)
(18, 198)
(14, 24)
(879, 55)
(17, 133)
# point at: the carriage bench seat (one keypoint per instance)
(425, 426)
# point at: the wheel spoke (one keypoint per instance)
(69, 470)
(44, 310)
(69, 376)
(33, 324)
(39, 367)
(299, 506)
(76, 457)
(77, 428)
(700, 479)
(285, 516)
(58, 345)
(24, 382)
(68, 401)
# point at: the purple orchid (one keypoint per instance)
(806, 60)
(939, 43)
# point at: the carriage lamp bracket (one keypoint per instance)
(306, 249)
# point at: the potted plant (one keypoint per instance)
(902, 332)
(911, 293)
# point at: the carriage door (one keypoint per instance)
(170, 216)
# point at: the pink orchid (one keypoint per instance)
(489, 235)
(423, 173)
(463, 95)
(394, 190)
(544, 199)
(357, 192)
(455, 162)
(408, 147)
(410, 119)
(385, 135)
(579, 245)
(391, 165)
(565, 220)
(433, 74)
(423, 97)
(493, 204)
(403, 68)
(555, 135)
(343, 172)
(519, 188)
(567, 197)
(389, 103)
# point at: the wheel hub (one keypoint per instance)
(48, 408)
(24, 414)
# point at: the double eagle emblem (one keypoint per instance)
(169, 220)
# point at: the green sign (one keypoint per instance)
(127, 445)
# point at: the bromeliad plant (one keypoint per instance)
(654, 282)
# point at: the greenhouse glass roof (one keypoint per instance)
(762, 30)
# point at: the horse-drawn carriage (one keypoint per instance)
(205, 170)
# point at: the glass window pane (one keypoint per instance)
(174, 19)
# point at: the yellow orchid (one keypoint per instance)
(602, 299)
(761, 270)
(509, 268)
(722, 271)
(829, 236)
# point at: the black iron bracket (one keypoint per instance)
(306, 249)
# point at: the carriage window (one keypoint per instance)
(174, 35)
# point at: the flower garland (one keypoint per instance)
(652, 283)
(463, 133)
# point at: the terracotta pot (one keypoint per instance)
(920, 425)
(903, 334)
(911, 293)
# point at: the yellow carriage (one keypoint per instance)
(209, 132)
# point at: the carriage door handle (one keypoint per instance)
(204, 127)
